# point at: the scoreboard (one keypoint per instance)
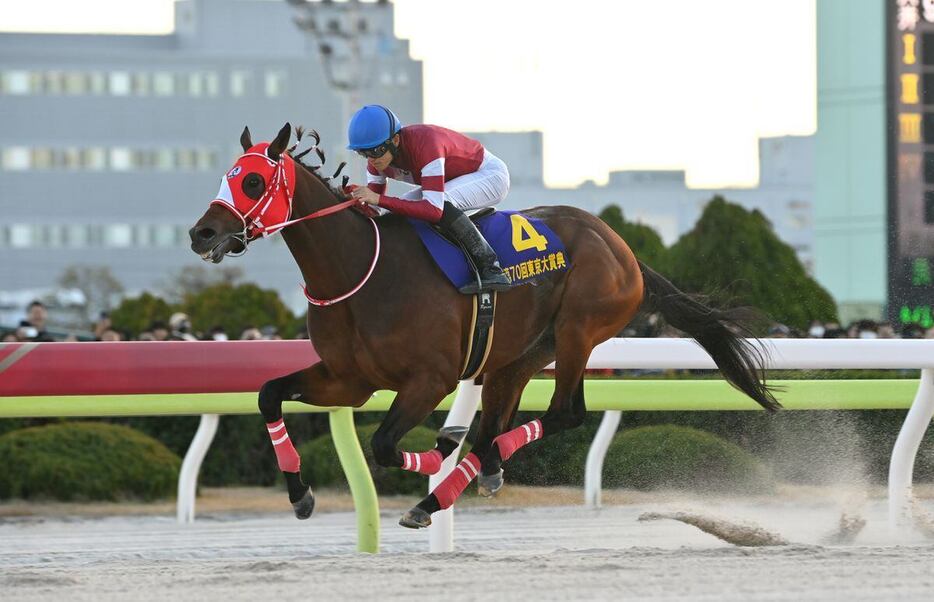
(910, 85)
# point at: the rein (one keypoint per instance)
(328, 211)
(279, 188)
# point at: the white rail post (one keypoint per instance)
(901, 466)
(593, 472)
(441, 531)
(191, 465)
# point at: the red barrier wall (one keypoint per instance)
(147, 367)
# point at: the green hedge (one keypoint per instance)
(669, 456)
(321, 466)
(557, 460)
(241, 453)
(85, 461)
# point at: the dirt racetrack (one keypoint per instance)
(544, 553)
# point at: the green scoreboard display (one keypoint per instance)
(910, 83)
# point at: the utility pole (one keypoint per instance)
(339, 31)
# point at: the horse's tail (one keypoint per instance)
(741, 363)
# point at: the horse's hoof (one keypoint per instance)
(454, 434)
(488, 485)
(416, 518)
(305, 506)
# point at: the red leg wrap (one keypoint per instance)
(422, 463)
(509, 442)
(288, 458)
(455, 483)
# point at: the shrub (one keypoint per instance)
(680, 457)
(556, 460)
(240, 454)
(321, 466)
(85, 461)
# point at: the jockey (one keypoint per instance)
(453, 172)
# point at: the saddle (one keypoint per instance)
(484, 311)
(528, 250)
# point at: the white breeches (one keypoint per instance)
(483, 188)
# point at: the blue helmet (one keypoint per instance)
(371, 126)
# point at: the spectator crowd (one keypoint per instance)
(177, 327)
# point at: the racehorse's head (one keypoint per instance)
(255, 198)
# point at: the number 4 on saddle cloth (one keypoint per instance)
(528, 250)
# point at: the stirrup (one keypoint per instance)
(493, 282)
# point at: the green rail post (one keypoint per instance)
(358, 474)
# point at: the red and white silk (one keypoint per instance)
(445, 165)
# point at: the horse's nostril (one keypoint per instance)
(206, 233)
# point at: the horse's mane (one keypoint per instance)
(336, 192)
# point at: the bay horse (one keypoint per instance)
(382, 315)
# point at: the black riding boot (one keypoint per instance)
(459, 227)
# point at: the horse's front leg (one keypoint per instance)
(416, 400)
(315, 386)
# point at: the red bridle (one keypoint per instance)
(276, 201)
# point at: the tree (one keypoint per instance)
(235, 307)
(135, 314)
(193, 279)
(99, 286)
(734, 251)
(643, 240)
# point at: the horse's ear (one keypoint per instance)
(277, 146)
(245, 141)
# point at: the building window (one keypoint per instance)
(53, 82)
(185, 158)
(163, 235)
(165, 159)
(239, 83)
(53, 235)
(15, 83)
(929, 207)
(195, 84)
(204, 159)
(71, 158)
(118, 235)
(119, 83)
(143, 159)
(42, 158)
(15, 158)
(121, 159)
(212, 84)
(76, 83)
(97, 83)
(163, 84)
(141, 85)
(76, 235)
(20, 236)
(402, 78)
(93, 158)
(275, 83)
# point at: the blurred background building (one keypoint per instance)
(111, 146)
(850, 158)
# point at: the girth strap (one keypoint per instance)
(481, 334)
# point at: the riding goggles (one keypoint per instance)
(376, 152)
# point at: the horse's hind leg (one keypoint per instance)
(565, 411)
(601, 296)
(501, 392)
(316, 386)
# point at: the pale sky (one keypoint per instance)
(624, 84)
